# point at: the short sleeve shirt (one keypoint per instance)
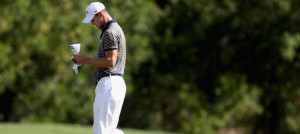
(112, 38)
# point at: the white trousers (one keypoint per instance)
(110, 93)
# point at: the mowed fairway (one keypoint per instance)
(17, 128)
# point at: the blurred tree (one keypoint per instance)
(37, 82)
(222, 64)
(192, 66)
(35, 36)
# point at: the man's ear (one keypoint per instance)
(101, 14)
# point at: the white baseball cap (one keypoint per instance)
(91, 10)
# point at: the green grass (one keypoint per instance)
(34, 128)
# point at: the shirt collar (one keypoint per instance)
(108, 23)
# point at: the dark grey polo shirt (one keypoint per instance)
(112, 38)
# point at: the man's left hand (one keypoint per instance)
(79, 58)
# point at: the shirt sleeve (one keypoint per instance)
(109, 42)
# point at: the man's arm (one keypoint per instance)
(105, 62)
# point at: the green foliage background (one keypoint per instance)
(193, 66)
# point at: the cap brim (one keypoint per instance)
(87, 19)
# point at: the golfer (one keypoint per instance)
(110, 64)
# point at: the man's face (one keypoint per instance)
(98, 21)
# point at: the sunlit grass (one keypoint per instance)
(34, 128)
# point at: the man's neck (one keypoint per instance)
(106, 25)
(107, 19)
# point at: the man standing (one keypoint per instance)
(110, 64)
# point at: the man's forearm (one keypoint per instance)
(108, 61)
(99, 62)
